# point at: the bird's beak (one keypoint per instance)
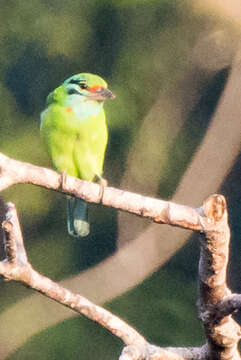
(100, 94)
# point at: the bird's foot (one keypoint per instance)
(63, 179)
(103, 183)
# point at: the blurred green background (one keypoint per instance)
(141, 48)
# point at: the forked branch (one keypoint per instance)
(216, 303)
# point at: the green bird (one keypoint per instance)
(74, 130)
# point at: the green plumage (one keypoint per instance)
(74, 130)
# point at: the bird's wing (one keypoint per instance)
(59, 139)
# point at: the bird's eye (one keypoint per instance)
(83, 86)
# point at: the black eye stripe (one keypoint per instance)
(73, 91)
(73, 81)
(81, 83)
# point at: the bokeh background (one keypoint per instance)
(169, 63)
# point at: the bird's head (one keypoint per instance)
(80, 89)
(88, 87)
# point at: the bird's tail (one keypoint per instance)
(77, 217)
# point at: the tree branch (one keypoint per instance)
(222, 332)
(16, 267)
(170, 353)
(165, 212)
(228, 306)
(216, 301)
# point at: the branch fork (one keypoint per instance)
(216, 301)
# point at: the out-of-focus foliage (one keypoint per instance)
(141, 48)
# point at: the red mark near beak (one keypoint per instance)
(95, 88)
